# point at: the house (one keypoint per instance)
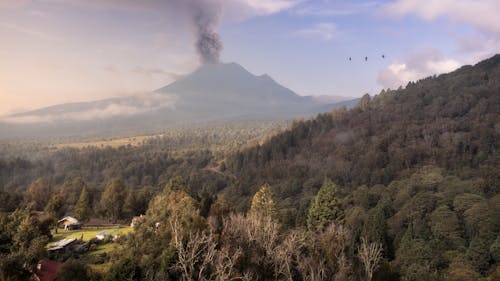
(46, 270)
(69, 223)
(136, 220)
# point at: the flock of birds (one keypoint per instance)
(366, 58)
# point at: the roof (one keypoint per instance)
(61, 244)
(48, 270)
(68, 218)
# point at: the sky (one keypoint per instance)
(59, 51)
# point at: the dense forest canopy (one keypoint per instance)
(404, 186)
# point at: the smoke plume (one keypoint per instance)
(205, 16)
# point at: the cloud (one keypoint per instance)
(130, 106)
(477, 47)
(149, 71)
(335, 8)
(421, 64)
(258, 7)
(325, 31)
(482, 14)
(234, 9)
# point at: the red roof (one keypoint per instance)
(47, 271)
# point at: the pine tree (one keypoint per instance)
(112, 200)
(326, 208)
(263, 204)
(82, 207)
(130, 204)
(56, 208)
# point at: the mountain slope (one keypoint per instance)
(212, 93)
(450, 121)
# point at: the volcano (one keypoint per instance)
(212, 93)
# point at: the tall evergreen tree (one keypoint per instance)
(82, 208)
(326, 208)
(112, 200)
(263, 204)
(56, 208)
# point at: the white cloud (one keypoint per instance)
(419, 65)
(482, 14)
(233, 9)
(334, 8)
(134, 105)
(325, 31)
(264, 7)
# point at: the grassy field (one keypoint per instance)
(117, 142)
(88, 233)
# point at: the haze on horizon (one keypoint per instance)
(56, 51)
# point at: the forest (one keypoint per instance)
(404, 186)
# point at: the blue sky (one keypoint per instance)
(57, 51)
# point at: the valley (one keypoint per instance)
(411, 173)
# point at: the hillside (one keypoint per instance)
(450, 121)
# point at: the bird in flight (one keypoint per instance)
(366, 58)
(350, 59)
(383, 56)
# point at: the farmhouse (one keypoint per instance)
(69, 223)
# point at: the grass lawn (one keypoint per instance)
(89, 233)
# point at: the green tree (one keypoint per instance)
(74, 270)
(326, 208)
(112, 200)
(375, 227)
(495, 250)
(125, 269)
(445, 226)
(39, 193)
(478, 254)
(131, 204)
(82, 207)
(56, 208)
(263, 204)
(12, 268)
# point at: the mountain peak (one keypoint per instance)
(221, 67)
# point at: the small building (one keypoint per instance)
(62, 245)
(69, 223)
(101, 235)
(46, 270)
(62, 249)
(136, 220)
(65, 248)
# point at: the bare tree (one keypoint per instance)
(257, 236)
(312, 268)
(288, 252)
(337, 238)
(196, 253)
(370, 255)
(264, 231)
(225, 264)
